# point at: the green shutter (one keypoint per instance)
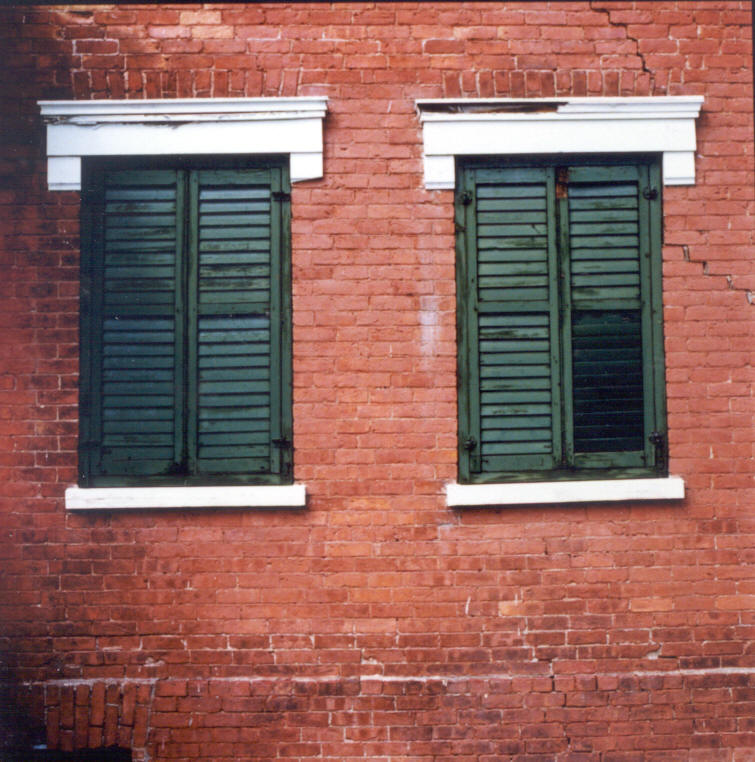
(237, 277)
(559, 320)
(136, 294)
(513, 415)
(606, 414)
(185, 326)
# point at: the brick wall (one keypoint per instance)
(378, 623)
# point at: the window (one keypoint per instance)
(185, 322)
(88, 132)
(559, 307)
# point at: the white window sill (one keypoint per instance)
(533, 493)
(135, 498)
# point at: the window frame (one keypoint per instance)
(96, 167)
(653, 358)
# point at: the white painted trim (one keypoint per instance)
(507, 126)
(181, 109)
(533, 493)
(190, 126)
(135, 498)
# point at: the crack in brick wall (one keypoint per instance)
(624, 25)
(642, 27)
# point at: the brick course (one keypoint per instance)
(378, 624)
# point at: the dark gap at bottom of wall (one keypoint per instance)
(109, 754)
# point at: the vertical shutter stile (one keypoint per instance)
(277, 435)
(191, 321)
(92, 237)
(564, 307)
(280, 335)
(655, 378)
(646, 264)
(470, 444)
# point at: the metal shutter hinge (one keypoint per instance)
(658, 440)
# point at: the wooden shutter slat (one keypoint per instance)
(512, 204)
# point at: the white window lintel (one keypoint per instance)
(510, 126)
(186, 126)
(545, 493)
(137, 498)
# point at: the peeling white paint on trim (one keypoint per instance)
(244, 126)
(137, 498)
(510, 126)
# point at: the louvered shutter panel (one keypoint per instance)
(560, 363)
(135, 376)
(185, 326)
(237, 292)
(607, 230)
(513, 413)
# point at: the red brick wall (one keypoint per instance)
(379, 624)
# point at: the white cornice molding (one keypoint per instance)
(189, 126)
(182, 109)
(509, 126)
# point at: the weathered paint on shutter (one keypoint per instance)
(511, 277)
(234, 295)
(603, 332)
(136, 369)
(560, 334)
(186, 364)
